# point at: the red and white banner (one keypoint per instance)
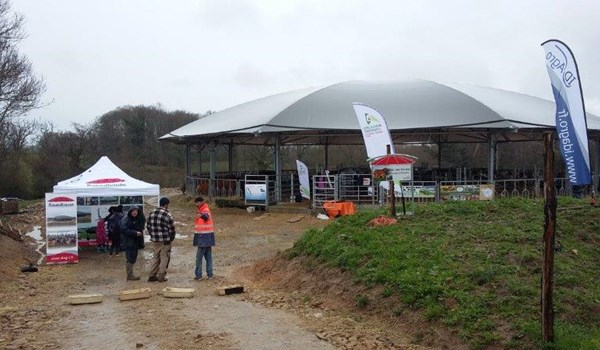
(61, 229)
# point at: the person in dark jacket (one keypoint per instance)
(132, 228)
(113, 226)
(140, 240)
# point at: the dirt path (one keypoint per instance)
(34, 313)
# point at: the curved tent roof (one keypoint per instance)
(416, 111)
(106, 179)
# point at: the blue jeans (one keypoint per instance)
(205, 252)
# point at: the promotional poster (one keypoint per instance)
(61, 229)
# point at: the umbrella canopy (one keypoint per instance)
(393, 159)
(415, 111)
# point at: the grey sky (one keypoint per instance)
(198, 55)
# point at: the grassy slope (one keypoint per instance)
(476, 267)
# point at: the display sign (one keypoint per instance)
(417, 191)
(61, 229)
(256, 194)
(396, 172)
(467, 192)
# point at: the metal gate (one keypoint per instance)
(325, 188)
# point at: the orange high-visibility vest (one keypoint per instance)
(201, 225)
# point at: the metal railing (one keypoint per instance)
(358, 188)
(361, 189)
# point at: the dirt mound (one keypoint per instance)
(13, 255)
(16, 249)
(330, 289)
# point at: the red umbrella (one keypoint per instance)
(393, 159)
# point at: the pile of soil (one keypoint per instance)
(378, 321)
(16, 248)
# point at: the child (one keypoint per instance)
(101, 238)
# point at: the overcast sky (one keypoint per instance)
(210, 55)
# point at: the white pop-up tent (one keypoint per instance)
(106, 179)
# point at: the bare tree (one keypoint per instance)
(20, 89)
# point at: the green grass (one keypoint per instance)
(476, 267)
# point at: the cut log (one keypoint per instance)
(85, 299)
(234, 289)
(133, 294)
(171, 292)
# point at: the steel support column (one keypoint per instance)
(492, 142)
(188, 171)
(276, 154)
(326, 152)
(213, 168)
(230, 156)
(188, 182)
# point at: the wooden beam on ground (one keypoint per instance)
(133, 294)
(78, 299)
(233, 289)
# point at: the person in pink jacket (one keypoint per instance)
(101, 238)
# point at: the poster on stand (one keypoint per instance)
(256, 194)
(61, 229)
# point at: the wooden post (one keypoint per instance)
(549, 229)
(403, 202)
(393, 191)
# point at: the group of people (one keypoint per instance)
(126, 232)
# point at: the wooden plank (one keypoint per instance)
(171, 292)
(233, 289)
(78, 299)
(134, 294)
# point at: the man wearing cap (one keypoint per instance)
(204, 238)
(161, 228)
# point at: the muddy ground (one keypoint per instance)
(285, 305)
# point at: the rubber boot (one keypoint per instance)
(130, 275)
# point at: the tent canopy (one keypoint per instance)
(106, 179)
(415, 111)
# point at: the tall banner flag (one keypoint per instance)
(303, 177)
(374, 129)
(61, 229)
(571, 125)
